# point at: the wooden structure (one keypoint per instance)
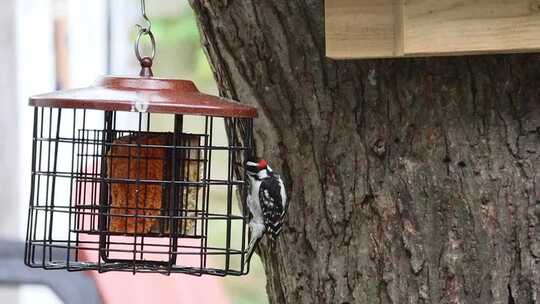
(397, 28)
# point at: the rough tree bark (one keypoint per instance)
(410, 180)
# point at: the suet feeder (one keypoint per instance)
(144, 196)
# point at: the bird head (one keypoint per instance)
(256, 168)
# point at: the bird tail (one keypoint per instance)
(275, 230)
(251, 249)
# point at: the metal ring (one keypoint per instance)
(144, 32)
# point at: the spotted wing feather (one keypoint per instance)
(272, 205)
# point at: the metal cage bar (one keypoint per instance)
(137, 199)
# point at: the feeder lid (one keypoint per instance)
(144, 94)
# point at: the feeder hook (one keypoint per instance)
(146, 61)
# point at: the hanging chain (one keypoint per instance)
(145, 31)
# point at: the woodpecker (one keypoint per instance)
(267, 202)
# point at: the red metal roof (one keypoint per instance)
(144, 94)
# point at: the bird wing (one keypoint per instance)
(271, 202)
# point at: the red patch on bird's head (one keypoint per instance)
(262, 164)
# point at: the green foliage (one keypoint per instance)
(180, 52)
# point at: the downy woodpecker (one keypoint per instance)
(267, 202)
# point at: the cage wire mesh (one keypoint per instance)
(165, 194)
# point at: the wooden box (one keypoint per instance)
(398, 28)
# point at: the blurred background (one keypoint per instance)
(48, 45)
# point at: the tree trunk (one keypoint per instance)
(410, 180)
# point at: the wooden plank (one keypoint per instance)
(395, 28)
(436, 27)
(362, 28)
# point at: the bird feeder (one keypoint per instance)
(129, 175)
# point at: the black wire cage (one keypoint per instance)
(139, 175)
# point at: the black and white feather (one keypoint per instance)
(267, 202)
(272, 199)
